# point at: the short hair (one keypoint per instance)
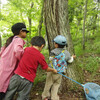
(17, 27)
(61, 46)
(37, 41)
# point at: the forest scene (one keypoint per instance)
(77, 20)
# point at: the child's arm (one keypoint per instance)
(45, 66)
(51, 70)
(51, 58)
(72, 59)
(18, 48)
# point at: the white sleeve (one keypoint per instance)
(50, 58)
(71, 59)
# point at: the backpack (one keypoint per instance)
(59, 63)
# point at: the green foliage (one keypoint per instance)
(40, 76)
(92, 64)
(19, 11)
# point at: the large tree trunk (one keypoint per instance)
(56, 22)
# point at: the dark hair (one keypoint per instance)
(17, 27)
(8, 41)
(61, 46)
(16, 30)
(37, 41)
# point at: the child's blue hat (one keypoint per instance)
(60, 39)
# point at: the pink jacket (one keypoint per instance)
(9, 60)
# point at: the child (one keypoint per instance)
(53, 81)
(10, 55)
(25, 73)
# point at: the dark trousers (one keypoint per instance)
(20, 85)
(2, 95)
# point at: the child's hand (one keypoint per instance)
(74, 56)
(87, 91)
(55, 71)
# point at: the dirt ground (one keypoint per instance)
(69, 95)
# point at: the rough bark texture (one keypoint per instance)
(56, 22)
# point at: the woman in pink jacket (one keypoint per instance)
(10, 55)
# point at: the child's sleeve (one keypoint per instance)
(69, 58)
(18, 48)
(51, 58)
(2, 49)
(43, 63)
(51, 55)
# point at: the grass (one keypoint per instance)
(89, 59)
(40, 76)
(91, 64)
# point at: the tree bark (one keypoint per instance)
(30, 25)
(98, 15)
(94, 24)
(85, 13)
(41, 20)
(56, 23)
(30, 21)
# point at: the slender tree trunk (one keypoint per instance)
(30, 25)
(30, 21)
(85, 13)
(98, 15)
(41, 20)
(94, 24)
(56, 23)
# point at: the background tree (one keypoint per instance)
(41, 20)
(85, 13)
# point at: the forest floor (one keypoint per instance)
(70, 94)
